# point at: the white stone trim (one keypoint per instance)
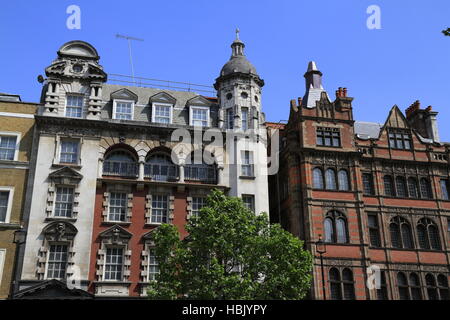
(2, 262)
(16, 115)
(10, 203)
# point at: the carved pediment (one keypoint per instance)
(198, 101)
(65, 175)
(149, 236)
(124, 94)
(396, 119)
(115, 235)
(163, 97)
(60, 231)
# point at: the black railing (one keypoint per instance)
(120, 168)
(161, 172)
(202, 173)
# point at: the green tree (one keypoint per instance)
(230, 253)
(446, 32)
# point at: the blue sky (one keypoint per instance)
(406, 60)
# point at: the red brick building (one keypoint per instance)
(377, 194)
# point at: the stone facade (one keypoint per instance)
(377, 194)
(17, 123)
(111, 168)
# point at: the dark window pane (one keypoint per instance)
(330, 179)
(433, 235)
(401, 188)
(425, 188)
(388, 186)
(422, 236)
(412, 188)
(318, 178)
(368, 183)
(395, 235)
(406, 236)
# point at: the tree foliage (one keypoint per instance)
(230, 253)
(446, 32)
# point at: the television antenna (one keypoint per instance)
(129, 39)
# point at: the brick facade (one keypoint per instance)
(416, 161)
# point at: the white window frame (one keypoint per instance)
(18, 136)
(229, 121)
(196, 213)
(115, 108)
(82, 107)
(251, 163)
(249, 196)
(10, 203)
(154, 104)
(150, 249)
(54, 201)
(47, 258)
(61, 140)
(191, 115)
(123, 248)
(109, 207)
(167, 210)
(2, 262)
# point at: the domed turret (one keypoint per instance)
(238, 63)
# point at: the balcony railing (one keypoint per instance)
(161, 172)
(202, 173)
(120, 168)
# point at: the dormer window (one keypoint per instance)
(199, 116)
(123, 109)
(162, 113)
(399, 140)
(74, 106)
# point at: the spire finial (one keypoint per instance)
(237, 33)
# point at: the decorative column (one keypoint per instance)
(181, 172)
(219, 174)
(141, 170)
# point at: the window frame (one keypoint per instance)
(47, 259)
(124, 214)
(374, 231)
(10, 203)
(60, 144)
(445, 182)
(229, 118)
(246, 121)
(191, 115)
(249, 165)
(252, 204)
(166, 214)
(114, 113)
(109, 247)
(18, 137)
(398, 143)
(155, 104)
(196, 212)
(55, 202)
(324, 133)
(334, 216)
(82, 105)
(156, 264)
(371, 184)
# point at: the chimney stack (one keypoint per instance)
(423, 120)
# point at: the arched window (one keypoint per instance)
(428, 234)
(443, 287)
(335, 284)
(120, 162)
(413, 188)
(388, 186)
(425, 188)
(431, 287)
(335, 226)
(414, 284)
(159, 167)
(401, 187)
(403, 289)
(329, 230)
(341, 287)
(344, 184)
(330, 179)
(318, 178)
(349, 286)
(401, 236)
